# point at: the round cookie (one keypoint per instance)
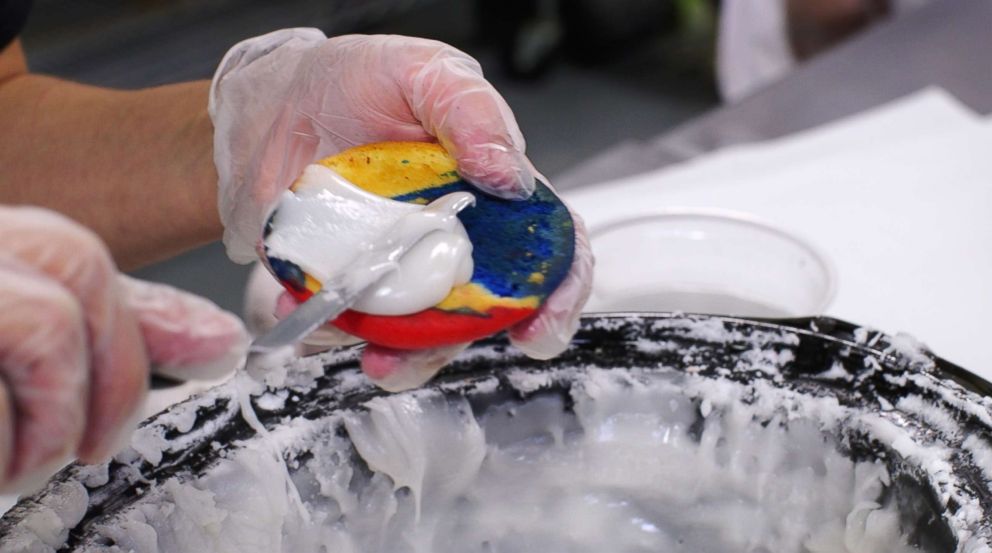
(522, 250)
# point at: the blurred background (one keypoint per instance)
(580, 76)
(602, 89)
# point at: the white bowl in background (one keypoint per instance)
(707, 261)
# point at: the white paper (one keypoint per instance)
(928, 111)
(900, 200)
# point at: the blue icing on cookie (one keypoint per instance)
(513, 239)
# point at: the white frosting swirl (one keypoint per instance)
(328, 223)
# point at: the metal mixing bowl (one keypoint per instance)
(878, 371)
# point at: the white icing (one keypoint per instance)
(47, 526)
(646, 460)
(981, 452)
(94, 475)
(150, 443)
(631, 470)
(272, 401)
(329, 224)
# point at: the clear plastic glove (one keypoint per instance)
(283, 100)
(542, 336)
(76, 343)
(286, 99)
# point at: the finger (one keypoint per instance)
(119, 386)
(7, 435)
(251, 171)
(548, 332)
(456, 104)
(261, 296)
(285, 304)
(43, 362)
(75, 258)
(186, 336)
(396, 370)
(325, 336)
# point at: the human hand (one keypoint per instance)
(283, 100)
(286, 99)
(77, 340)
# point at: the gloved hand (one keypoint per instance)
(286, 99)
(76, 342)
(283, 100)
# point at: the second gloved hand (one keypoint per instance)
(77, 340)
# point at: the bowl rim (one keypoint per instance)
(215, 407)
(738, 218)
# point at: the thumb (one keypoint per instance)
(186, 336)
(396, 370)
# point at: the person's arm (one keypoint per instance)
(134, 166)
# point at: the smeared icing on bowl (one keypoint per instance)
(699, 434)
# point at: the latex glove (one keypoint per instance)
(286, 99)
(76, 342)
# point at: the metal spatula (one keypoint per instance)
(342, 291)
(334, 298)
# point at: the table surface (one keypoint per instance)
(945, 44)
